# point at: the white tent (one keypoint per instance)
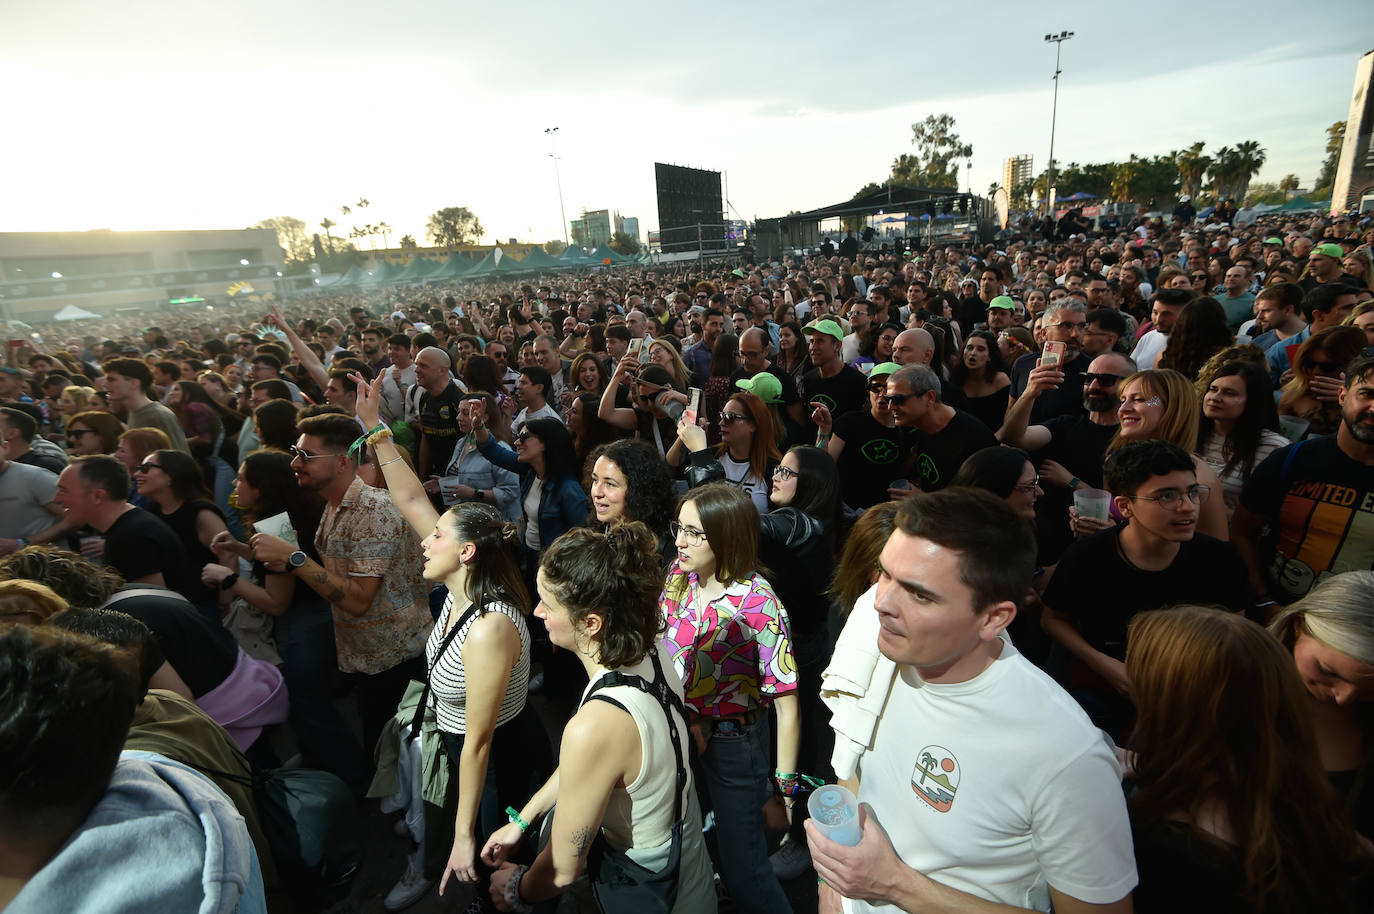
(73, 313)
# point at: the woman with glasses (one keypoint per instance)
(135, 445)
(93, 433)
(478, 659)
(875, 347)
(725, 360)
(172, 482)
(746, 454)
(1161, 405)
(1317, 372)
(1239, 425)
(657, 402)
(730, 642)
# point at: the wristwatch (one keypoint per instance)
(229, 581)
(296, 559)
(477, 494)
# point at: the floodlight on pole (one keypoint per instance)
(553, 138)
(1054, 113)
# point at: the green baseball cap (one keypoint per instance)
(1002, 301)
(1329, 250)
(763, 385)
(1278, 241)
(885, 368)
(826, 326)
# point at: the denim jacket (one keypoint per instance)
(474, 469)
(562, 504)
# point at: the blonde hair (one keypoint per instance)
(28, 601)
(80, 397)
(1179, 423)
(1338, 612)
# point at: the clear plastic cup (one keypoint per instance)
(835, 811)
(1095, 503)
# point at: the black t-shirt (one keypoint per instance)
(1066, 401)
(183, 524)
(202, 653)
(847, 390)
(1078, 444)
(873, 456)
(439, 426)
(939, 456)
(139, 544)
(1320, 507)
(1101, 592)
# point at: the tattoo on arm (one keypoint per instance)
(335, 595)
(581, 840)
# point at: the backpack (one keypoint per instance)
(311, 820)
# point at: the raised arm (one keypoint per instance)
(313, 366)
(405, 487)
(619, 416)
(1016, 429)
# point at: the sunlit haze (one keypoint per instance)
(160, 115)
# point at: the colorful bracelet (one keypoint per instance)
(378, 434)
(513, 816)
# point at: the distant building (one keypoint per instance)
(629, 225)
(105, 272)
(1017, 170)
(593, 229)
(1354, 186)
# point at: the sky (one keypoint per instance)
(210, 115)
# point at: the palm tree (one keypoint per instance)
(1288, 184)
(326, 223)
(1223, 171)
(927, 766)
(385, 230)
(1192, 165)
(1250, 156)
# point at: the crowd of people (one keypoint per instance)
(1100, 503)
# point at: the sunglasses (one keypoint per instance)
(731, 418)
(522, 436)
(898, 399)
(1106, 379)
(145, 467)
(77, 432)
(306, 455)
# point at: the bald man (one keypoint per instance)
(913, 347)
(438, 423)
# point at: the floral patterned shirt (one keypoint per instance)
(366, 536)
(734, 654)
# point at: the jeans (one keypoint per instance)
(734, 775)
(305, 641)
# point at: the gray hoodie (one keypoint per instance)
(163, 838)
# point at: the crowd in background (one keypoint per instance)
(679, 500)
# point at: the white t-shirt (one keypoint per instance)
(532, 499)
(737, 471)
(999, 787)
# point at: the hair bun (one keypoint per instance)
(509, 532)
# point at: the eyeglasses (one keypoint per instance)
(522, 435)
(303, 454)
(145, 467)
(898, 399)
(1104, 378)
(1028, 486)
(1172, 498)
(784, 473)
(691, 535)
(730, 418)
(77, 432)
(878, 388)
(1324, 367)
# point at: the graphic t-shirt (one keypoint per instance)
(873, 456)
(439, 426)
(1320, 508)
(939, 455)
(845, 391)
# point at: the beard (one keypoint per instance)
(1358, 430)
(1099, 403)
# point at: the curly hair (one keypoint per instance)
(648, 483)
(617, 575)
(81, 583)
(28, 602)
(1199, 333)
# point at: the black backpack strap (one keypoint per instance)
(418, 720)
(667, 699)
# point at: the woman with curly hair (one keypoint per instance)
(1199, 333)
(875, 346)
(1231, 809)
(624, 782)
(1317, 370)
(630, 481)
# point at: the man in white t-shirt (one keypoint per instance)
(982, 771)
(1165, 307)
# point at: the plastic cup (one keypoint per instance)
(1293, 428)
(835, 811)
(899, 484)
(1095, 503)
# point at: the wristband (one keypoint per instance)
(380, 433)
(1073, 482)
(365, 438)
(513, 891)
(513, 816)
(21, 541)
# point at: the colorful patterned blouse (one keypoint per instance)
(735, 654)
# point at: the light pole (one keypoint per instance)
(553, 138)
(1054, 112)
